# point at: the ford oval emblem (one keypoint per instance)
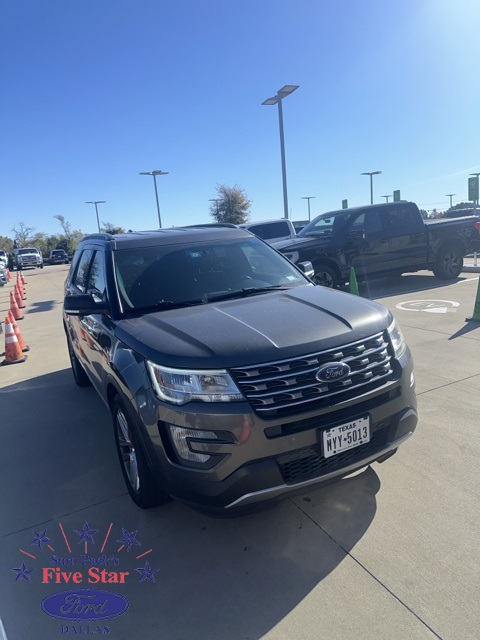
(85, 604)
(332, 371)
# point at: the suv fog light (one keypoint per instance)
(181, 437)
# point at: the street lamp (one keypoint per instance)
(371, 174)
(281, 94)
(155, 174)
(308, 198)
(386, 198)
(450, 195)
(95, 202)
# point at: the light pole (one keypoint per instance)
(155, 173)
(281, 94)
(450, 195)
(386, 198)
(95, 202)
(371, 174)
(308, 198)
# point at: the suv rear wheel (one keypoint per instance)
(138, 477)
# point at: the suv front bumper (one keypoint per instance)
(269, 459)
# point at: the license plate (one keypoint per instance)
(346, 436)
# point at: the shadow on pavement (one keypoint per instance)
(408, 283)
(217, 578)
(38, 307)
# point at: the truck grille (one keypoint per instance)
(288, 386)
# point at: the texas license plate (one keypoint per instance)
(346, 436)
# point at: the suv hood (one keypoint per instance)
(259, 328)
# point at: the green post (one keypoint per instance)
(476, 309)
(353, 285)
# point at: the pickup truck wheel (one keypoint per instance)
(79, 375)
(449, 263)
(325, 276)
(138, 477)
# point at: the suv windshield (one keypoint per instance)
(22, 251)
(163, 277)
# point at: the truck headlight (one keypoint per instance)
(180, 386)
(397, 339)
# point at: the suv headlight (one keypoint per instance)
(180, 386)
(397, 339)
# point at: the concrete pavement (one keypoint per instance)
(389, 553)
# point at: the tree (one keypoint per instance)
(6, 244)
(424, 213)
(108, 227)
(22, 234)
(462, 205)
(231, 205)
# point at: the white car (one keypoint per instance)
(271, 230)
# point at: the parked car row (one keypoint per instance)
(31, 257)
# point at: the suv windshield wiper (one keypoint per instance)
(246, 291)
(169, 304)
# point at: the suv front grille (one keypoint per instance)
(287, 386)
(309, 463)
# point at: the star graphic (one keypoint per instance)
(147, 572)
(22, 572)
(40, 539)
(86, 533)
(129, 539)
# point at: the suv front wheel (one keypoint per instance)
(138, 477)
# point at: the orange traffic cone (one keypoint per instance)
(9, 275)
(21, 290)
(13, 353)
(23, 277)
(14, 308)
(18, 298)
(24, 347)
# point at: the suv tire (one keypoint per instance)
(79, 374)
(141, 483)
(325, 276)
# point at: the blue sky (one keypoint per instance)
(96, 91)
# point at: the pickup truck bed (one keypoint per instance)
(381, 240)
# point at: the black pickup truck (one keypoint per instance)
(380, 240)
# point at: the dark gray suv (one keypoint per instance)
(232, 379)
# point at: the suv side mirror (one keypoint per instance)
(307, 268)
(83, 305)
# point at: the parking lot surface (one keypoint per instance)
(388, 553)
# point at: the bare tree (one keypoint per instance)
(22, 234)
